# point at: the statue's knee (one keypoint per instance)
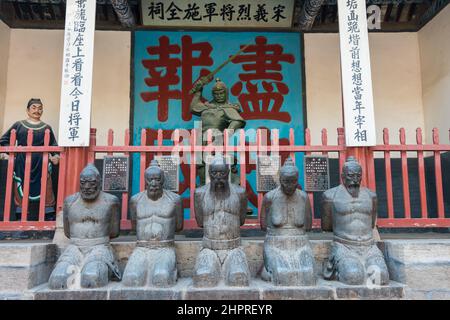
(133, 278)
(94, 274)
(162, 278)
(377, 272)
(60, 277)
(207, 269)
(351, 272)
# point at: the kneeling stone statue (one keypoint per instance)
(286, 214)
(156, 214)
(91, 217)
(220, 208)
(350, 211)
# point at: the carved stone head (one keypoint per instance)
(351, 175)
(90, 183)
(154, 181)
(288, 177)
(220, 92)
(218, 173)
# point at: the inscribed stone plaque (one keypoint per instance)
(317, 177)
(115, 173)
(267, 173)
(171, 167)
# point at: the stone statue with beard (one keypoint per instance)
(220, 208)
(155, 214)
(286, 214)
(91, 217)
(350, 211)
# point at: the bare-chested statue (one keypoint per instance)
(155, 214)
(91, 217)
(350, 211)
(220, 208)
(286, 214)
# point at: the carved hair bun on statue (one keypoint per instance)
(351, 159)
(154, 163)
(33, 101)
(90, 170)
(289, 167)
(219, 85)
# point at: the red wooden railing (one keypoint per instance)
(191, 148)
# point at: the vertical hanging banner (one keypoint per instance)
(357, 93)
(76, 84)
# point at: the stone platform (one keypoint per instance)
(419, 269)
(258, 290)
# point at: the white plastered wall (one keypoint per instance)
(34, 70)
(396, 79)
(4, 55)
(434, 41)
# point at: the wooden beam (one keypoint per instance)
(124, 13)
(432, 11)
(309, 13)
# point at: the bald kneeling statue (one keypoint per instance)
(220, 208)
(350, 211)
(155, 214)
(91, 217)
(286, 215)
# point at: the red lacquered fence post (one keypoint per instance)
(142, 161)
(92, 144)
(341, 143)
(26, 180)
(9, 178)
(387, 168)
(193, 173)
(421, 168)
(124, 222)
(405, 178)
(44, 176)
(438, 176)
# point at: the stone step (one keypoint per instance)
(258, 290)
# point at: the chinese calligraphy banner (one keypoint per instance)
(219, 13)
(76, 84)
(356, 74)
(265, 80)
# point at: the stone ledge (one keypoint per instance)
(258, 290)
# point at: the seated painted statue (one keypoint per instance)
(91, 217)
(350, 211)
(220, 208)
(286, 214)
(155, 214)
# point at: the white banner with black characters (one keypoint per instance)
(218, 13)
(357, 92)
(76, 84)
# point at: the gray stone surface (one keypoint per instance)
(25, 265)
(390, 292)
(421, 264)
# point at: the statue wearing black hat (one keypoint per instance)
(34, 111)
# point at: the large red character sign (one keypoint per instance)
(264, 79)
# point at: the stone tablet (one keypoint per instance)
(115, 173)
(317, 175)
(171, 167)
(267, 173)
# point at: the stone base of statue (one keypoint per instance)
(289, 260)
(161, 267)
(221, 261)
(257, 290)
